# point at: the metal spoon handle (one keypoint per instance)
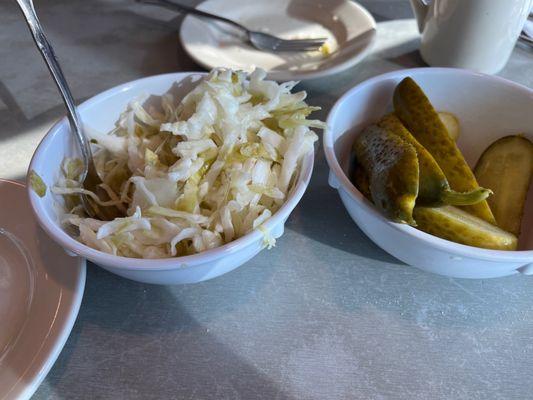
(192, 10)
(55, 70)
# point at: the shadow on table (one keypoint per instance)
(163, 41)
(116, 302)
(130, 325)
(410, 59)
(12, 109)
(387, 10)
(321, 216)
(16, 123)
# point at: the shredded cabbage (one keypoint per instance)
(198, 173)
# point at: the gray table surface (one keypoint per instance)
(324, 315)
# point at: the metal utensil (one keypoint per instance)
(260, 40)
(89, 177)
(524, 37)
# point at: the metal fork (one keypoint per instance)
(260, 40)
(524, 36)
(89, 177)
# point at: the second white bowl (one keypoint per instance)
(488, 108)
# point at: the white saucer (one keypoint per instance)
(41, 288)
(350, 30)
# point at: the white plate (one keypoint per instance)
(350, 30)
(40, 294)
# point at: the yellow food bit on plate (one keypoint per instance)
(325, 49)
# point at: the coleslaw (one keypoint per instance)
(197, 173)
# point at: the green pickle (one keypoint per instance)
(506, 167)
(449, 222)
(415, 110)
(452, 223)
(434, 189)
(392, 167)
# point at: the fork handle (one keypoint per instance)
(55, 70)
(191, 10)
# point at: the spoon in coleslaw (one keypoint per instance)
(94, 196)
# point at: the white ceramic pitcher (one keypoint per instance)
(474, 34)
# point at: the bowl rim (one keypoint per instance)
(361, 201)
(53, 229)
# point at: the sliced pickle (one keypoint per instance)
(506, 167)
(451, 123)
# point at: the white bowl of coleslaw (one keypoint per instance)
(131, 252)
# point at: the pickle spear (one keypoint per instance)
(450, 222)
(434, 189)
(392, 168)
(416, 112)
(506, 167)
(454, 224)
(451, 124)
